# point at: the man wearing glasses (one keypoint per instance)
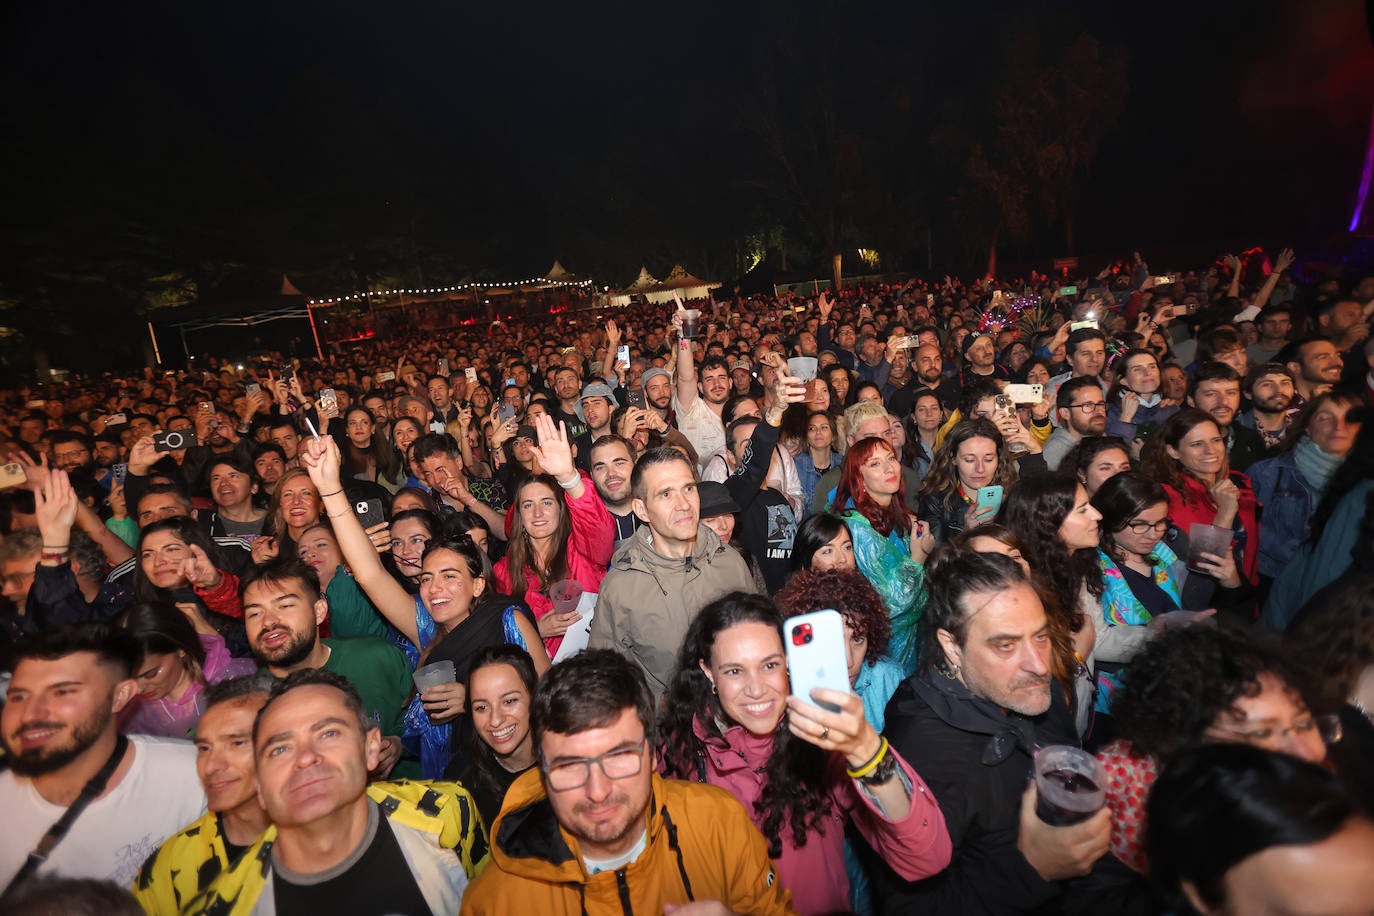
(1082, 411)
(595, 829)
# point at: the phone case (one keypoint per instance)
(815, 654)
(990, 496)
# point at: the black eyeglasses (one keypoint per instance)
(1142, 527)
(617, 763)
(1090, 408)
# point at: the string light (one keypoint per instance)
(534, 281)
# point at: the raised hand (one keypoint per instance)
(320, 458)
(55, 505)
(199, 570)
(554, 452)
(922, 541)
(264, 549)
(823, 301)
(1284, 260)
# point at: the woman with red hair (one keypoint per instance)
(890, 544)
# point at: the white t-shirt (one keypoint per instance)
(158, 796)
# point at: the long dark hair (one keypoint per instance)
(383, 456)
(520, 552)
(159, 628)
(1033, 511)
(184, 529)
(483, 757)
(1121, 499)
(794, 793)
(1159, 465)
(813, 534)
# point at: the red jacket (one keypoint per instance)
(1194, 506)
(589, 551)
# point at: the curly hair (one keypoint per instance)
(1333, 643)
(1034, 511)
(942, 480)
(794, 793)
(847, 591)
(1178, 685)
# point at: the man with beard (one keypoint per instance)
(184, 866)
(611, 462)
(969, 721)
(1082, 412)
(1316, 365)
(1085, 351)
(1215, 389)
(66, 757)
(567, 387)
(337, 844)
(930, 373)
(1271, 388)
(598, 402)
(658, 393)
(282, 613)
(594, 828)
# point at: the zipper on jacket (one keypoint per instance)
(624, 888)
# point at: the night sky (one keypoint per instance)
(234, 142)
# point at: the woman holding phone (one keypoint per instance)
(722, 723)
(967, 481)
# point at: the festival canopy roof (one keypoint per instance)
(681, 282)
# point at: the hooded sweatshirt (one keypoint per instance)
(699, 845)
(647, 601)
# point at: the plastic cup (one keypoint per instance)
(802, 367)
(565, 595)
(1070, 785)
(434, 675)
(691, 323)
(1206, 539)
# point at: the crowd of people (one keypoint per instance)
(495, 619)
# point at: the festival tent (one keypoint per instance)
(289, 304)
(645, 281)
(681, 282)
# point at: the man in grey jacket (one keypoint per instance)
(665, 573)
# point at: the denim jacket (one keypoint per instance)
(1288, 502)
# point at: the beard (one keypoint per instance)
(41, 761)
(290, 653)
(1276, 404)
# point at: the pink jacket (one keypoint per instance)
(916, 847)
(589, 552)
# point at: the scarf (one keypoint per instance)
(1315, 464)
(1120, 607)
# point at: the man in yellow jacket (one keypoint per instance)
(595, 830)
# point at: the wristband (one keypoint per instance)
(571, 482)
(335, 493)
(62, 547)
(59, 556)
(339, 515)
(861, 772)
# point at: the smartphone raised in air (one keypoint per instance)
(815, 655)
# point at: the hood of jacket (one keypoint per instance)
(959, 708)
(638, 553)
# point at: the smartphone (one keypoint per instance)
(252, 388)
(815, 655)
(328, 400)
(288, 372)
(443, 367)
(1068, 290)
(510, 381)
(1188, 308)
(118, 472)
(1163, 281)
(1025, 394)
(36, 404)
(622, 354)
(387, 376)
(369, 512)
(1080, 325)
(206, 407)
(171, 441)
(506, 412)
(116, 419)
(910, 343)
(990, 496)
(635, 398)
(471, 375)
(930, 300)
(12, 475)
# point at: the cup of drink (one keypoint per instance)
(434, 675)
(565, 595)
(1206, 539)
(802, 367)
(1070, 785)
(691, 323)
